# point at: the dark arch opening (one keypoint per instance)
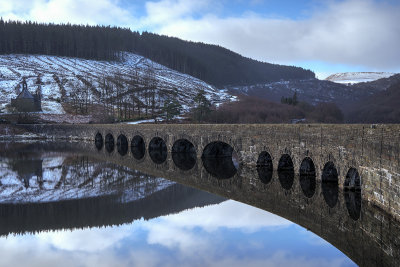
(122, 145)
(109, 143)
(138, 147)
(265, 167)
(157, 150)
(98, 141)
(308, 177)
(286, 171)
(352, 180)
(330, 184)
(219, 160)
(184, 154)
(352, 193)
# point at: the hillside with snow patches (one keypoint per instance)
(61, 75)
(357, 77)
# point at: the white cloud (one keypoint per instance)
(167, 11)
(63, 11)
(353, 32)
(359, 33)
(85, 240)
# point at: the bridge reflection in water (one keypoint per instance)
(80, 192)
(366, 234)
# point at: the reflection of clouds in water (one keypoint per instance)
(87, 240)
(228, 214)
(31, 251)
(176, 230)
(189, 238)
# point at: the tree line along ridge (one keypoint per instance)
(210, 63)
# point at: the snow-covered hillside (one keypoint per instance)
(60, 75)
(357, 77)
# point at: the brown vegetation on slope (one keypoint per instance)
(256, 110)
(382, 107)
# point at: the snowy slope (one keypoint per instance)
(59, 75)
(357, 77)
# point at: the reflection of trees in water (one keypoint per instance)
(77, 177)
(27, 169)
(82, 172)
(91, 193)
(100, 211)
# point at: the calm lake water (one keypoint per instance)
(62, 207)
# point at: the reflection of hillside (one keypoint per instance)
(99, 211)
(27, 169)
(38, 178)
(43, 189)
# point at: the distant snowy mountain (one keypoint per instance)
(60, 75)
(357, 77)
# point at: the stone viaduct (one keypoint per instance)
(363, 156)
(300, 172)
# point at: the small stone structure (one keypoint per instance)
(27, 102)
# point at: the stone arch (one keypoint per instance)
(122, 144)
(330, 184)
(307, 177)
(138, 147)
(158, 150)
(352, 193)
(265, 167)
(98, 141)
(109, 143)
(218, 160)
(184, 154)
(286, 171)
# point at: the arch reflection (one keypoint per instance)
(330, 184)
(217, 159)
(286, 171)
(265, 167)
(307, 177)
(138, 147)
(352, 193)
(109, 143)
(184, 154)
(158, 150)
(98, 141)
(122, 145)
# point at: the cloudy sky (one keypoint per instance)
(325, 36)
